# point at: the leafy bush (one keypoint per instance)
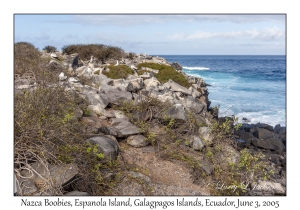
(165, 73)
(50, 49)
(46, 129)
(99, 51)
(29, 64)
(118, 72)
(237, 177)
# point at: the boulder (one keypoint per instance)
(195, 93)
(176, 66)
(106, 145)
(262, 133)
(100, 80)
(135, 85)
(26, 187)
(197, 143)
(120, 84)
(117, 96)
(198, 82)
(125, 129)
(265, 126)
(98, 99)
(137, 141)
(247, 137)
(271, 144)
(120, 128)
(44, 178)
(151, 83)
(71, 60)
(205, 135)
(277, 128)
(120, 114)
(207, 166)
(228, 154)
(177, 112)
(177, 88)
(192, 104)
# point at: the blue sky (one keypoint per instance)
(159, 34)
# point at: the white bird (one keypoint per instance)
(133, 67)
(89, 69)
(117, 63)
(62, 76)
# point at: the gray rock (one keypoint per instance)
(135, 85)
(126, 128)
(176, 66)
(107, 146)
(50, 176)
(247, 137)
(262, 133)
(177, 112)
(120, 128)
(205, 135)
(116, 96)
(177, 88)
(207, 166)
(78, 113)
(98, 99)
(109, 130)
(265, 126)
(197, 143)
(138, 141)
(271, 144)
(277, 128)
(195, 93)
(25, 187)
(192, 104)
(227, 155)
(101, 80)
(120, 114)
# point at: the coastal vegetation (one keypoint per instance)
(54, 119)
(100, 51)
(165, 73)
(50, 49)
(118, 72)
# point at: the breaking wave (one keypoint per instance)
(196, 68)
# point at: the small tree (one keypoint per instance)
(50, 49)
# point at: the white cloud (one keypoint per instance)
(131, 19)
(268, 34)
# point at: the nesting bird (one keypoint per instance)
(62, 76)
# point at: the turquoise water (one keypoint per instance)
(251, 87)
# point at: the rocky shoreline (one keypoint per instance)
(117, 134)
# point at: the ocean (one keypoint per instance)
(252, 88)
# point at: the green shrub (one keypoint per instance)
(50, 49)
(45, 128)
(118, 72)
(165, 73)
(28, 63)
(99, 51)
(237, 177)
